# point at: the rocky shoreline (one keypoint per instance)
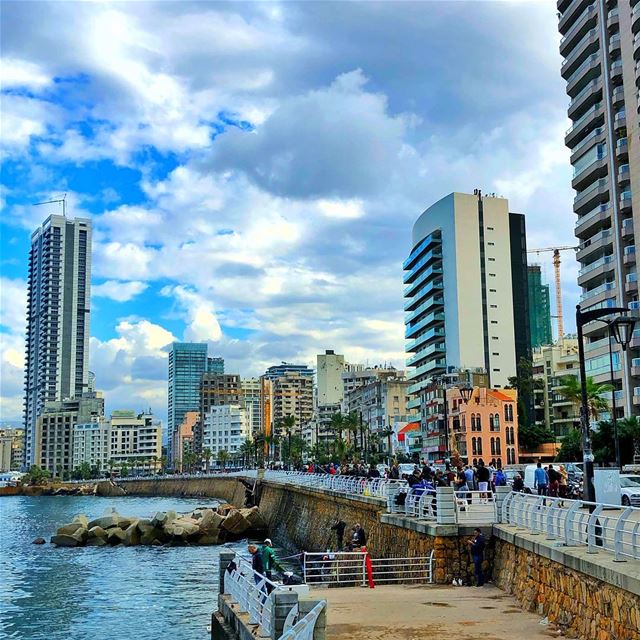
(202, 526)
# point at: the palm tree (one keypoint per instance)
(223, 457)
(337, 424)
(206, 456)
(288, 424)
(352, 424)
(387, 433)
(630, 428)
(571, 390)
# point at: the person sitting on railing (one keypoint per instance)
(518, 483)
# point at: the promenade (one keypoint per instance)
(416, 612)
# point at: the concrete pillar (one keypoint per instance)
(281, 604)
(320, 630)
(501, 494)
(446, 506)
(225, 558)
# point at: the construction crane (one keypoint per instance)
(62, 200)
(556, 268)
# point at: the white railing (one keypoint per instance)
(478, 507)
(349, 568)
(577, 523)
(252, 592)
(420, 503)
(304, 627)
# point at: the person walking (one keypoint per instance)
(269, 561)
(554, 481)
(483, 474)
(256, 563)
(564, 481)
(468, 474)
(476, 548)
(540, 480)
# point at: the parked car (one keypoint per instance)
(630, 490)
(406, 468)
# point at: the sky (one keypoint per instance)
(253, 170)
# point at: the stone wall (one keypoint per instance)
(228, 489)
(578, 604)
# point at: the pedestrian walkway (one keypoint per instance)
(406, 612)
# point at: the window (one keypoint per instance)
(474, 446)
(492, 275)
(494, 322)
(492, 259)
(493, 446)
(494, 306)
(491, 244)
(479, 444)
(492, 290)
(498, 448)
(495, 354)
(489, 228)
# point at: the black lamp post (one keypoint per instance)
(466, 392)
(582, 318)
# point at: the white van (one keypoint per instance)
(529, 477)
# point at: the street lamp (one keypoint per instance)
(466, 392)
(624, 330)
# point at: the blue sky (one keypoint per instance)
(253, 170)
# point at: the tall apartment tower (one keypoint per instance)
(466, 295)
(215, 390)
(539, 309)
(187, 363)
(57, 336)
(329, 369)
(600, 46)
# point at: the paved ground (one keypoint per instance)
(419, 612)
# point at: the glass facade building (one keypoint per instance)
(539, 309)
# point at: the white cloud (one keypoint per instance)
(199, 314)
(22, 73)
(119, 291)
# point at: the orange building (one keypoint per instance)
(485, 428)
(183, 438)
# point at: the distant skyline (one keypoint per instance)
(253, 171)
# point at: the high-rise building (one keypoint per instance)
(539, 308)
(329, 370)
(226, 427)
(466, 294)
(278, 370)
(54, 431)
(215, 390)
(289, 394)
(215, 365)
(183, 439)
(11, 449)
(187, 362)
(600, 47)
(57, 336)
(250, 400)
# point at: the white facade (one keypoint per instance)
(136, 441)
(91, 444)
(329, 367)
(251, 401)
(226, 427)
(357, 376)
(460, 293)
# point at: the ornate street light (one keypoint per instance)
(622, 329)
(625, 331)
(466, 392)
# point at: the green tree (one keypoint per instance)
(530, 437)
(629, 428)
(524, 383)
(603, 442)
(36, 475)
(571, 390)
(352, 424)
(223, 458)
(206, 456)
(387, 433)
(124, 470)
(337, 424)
(288, 425)
(571, 448)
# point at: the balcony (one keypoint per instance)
(431, 290)
(591, 119)
(593, 244)
(624, 175)
(591, 94)
(591, 166)
(622, 148)
(629, 254)
(428, 367)
(616, 69)
(613, 18)
(636, 47)
(604, 288)
(585, 21)
(620, 120)
(635, 18)
(625, 206)
(587, 45)
(597, 136)
(424, 339)
(569, 15)
(596, 268)
(418, 267)
(431, 240)
(614, 43)
(617, 96)
(631, 283)
(593, 195)
(417, 358)
(587, 71)
(412, 330)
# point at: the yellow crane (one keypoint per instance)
(556, 268)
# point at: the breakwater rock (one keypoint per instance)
(203, 526)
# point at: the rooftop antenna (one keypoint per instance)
(62, 200)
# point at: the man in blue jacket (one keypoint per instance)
(540, 480)
(476, 547)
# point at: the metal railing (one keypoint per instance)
(478, 507)
(252, 592)
(421, 503)
(303, 628)
(349, 568)
(577, 523)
